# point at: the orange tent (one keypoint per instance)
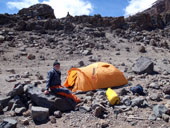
(94, 76)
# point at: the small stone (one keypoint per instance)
(87, 52)
(31, 57)
(40, 114)
(84, 108)
(98, 112)
(25, 121)
(152, 117)
(142, 49)
(90, 93)
(52, 119)
(8, 123)
(57, 114)
(123, 92)
(165, 117)
(166, 90)
(23, 54)
(154, 86)
(126, 101)
(155, 97)
(2, 38)
(159, 110)
(137, 102)
(81, 63)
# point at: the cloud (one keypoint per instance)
(61, 7)
(136, 6)
(74, 7)
(19, 4)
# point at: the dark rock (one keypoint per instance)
(98, 112)
(31, 57)
(143, 65)
(142, 49)
(4, 100)
(39, 11)
(18, 90)
(1, 108)
(166, 90)
(51, 101)
(25, 121)
(123, 92)
(159, 110)
(40, 114)
(15, 103)
(81, 63)
(8, 123)
(165, 117)
(57, 114)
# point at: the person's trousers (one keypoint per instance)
(59, 90)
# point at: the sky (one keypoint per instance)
(112, 8)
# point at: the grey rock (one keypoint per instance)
(138, 102)
(155, 97)
(39, 114)
(20, 111)
(4, 100)
(126, 101)
(152, 117)
(159, 110)
(8, 123)
(87, 52)
(84, 108)
(50, 101)
(143, 65)
(167, 96)
(89, 93)
(154, 86)
(58, 114)
(18, 90)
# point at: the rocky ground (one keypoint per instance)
(28, 51)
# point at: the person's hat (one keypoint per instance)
(56, 63)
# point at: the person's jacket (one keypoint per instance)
(53, 78)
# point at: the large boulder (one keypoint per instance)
(51, 101)
(39, 11)
(4, 100)
(143, 65)
(40, 114)
(8, 123)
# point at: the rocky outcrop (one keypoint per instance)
(38, 11)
